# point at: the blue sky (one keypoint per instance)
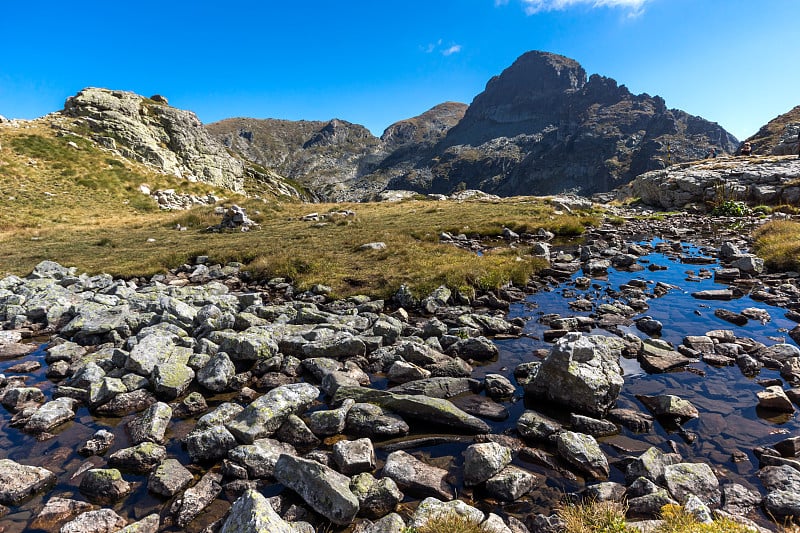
(734, 62)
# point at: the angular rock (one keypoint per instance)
(127, 403)
(431, 507)
(18, 482)
(581, 372)
(323, 489)
(99, 444)
(474, 348)
(685, 479)
(775, 399)
(195, 499)
(511, 483)
(369, 420)
(430, 410)
(655, 358)
(669, 405)
(104, 486)
(330, 421)
(50, 415)
(252, 512)
(484, 460)
(209, 443)
(148, 524)
(354, 456)
(536, 426)
(169, 478)
(266, 414)
(376, 497)
(171, 379)
(417, 478)
(100, 521)
(260, 457)
(592, 426)
(151, 425)
(217, 373)
(139, 459)
(295, 432)
(57, 511)
(583, 453)
(782, 503)
(498, 386)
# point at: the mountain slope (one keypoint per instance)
(779, 136)
(541, 127)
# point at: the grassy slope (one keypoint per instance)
(83, 207)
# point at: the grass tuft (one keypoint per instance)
(778, 243)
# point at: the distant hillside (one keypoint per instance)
(779, 135)
(336, 159)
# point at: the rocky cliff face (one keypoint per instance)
(337, 160)
(325, 157)
(150, 131)
(779, 136)
(541, 127)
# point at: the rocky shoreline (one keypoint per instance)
(235, 405)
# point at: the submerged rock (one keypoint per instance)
(18, 482)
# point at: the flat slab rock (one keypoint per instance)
(18, 482)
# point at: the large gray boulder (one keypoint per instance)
(580, 372)
(484, 460)
(100, 521)
(266, 414)
(217, 373)
(322, 488)
(583, 453)
(151, 425)
(687, 479)
(260, 457)
(51, 414)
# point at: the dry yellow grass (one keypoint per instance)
(778, 243)
(82, 207)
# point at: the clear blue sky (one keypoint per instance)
(735, 62)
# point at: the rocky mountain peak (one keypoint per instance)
(150, 131)
(429, 127)
(779, 136)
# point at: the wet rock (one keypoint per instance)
(788, 447)
(171, 379)
(655, 357)
(260, 457)
(649, 505)
(369, 420)
(18, 482)
(536, 426)
(729, 316)
(252, 512)
(104, 486)
(437, 387)
(583, 453)
(57, 511)
(13, 399)
(748, 365)
(148, 524)
(474, 348)
(775, 399)
(422, 408)
(779, 352)
(266, 414)
(480, 406)
(669, 405)
(193, 404)
(139, 459)
(685, 479)
(417, 478)
(592, 426)
(581, 372)
(222, 413)
(484, 460)
(649, 326)
(209, 443)
(511, 483)
(353, 457)
(195, 499)
(127, 403)
(403, 372)
(498, 386)
(24, 367)
(631, 419)
(99, 444)
(782, 477)
(714, 294)
(151, 425)
(169, 478)
(105, 390)
(376, 497)
(782, 503)
(323, 489)
(50, 415)
(100, 521)
(650, 465)
(749, 264)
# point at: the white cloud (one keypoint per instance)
(531, 7)
(437, 47)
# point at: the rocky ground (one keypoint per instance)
(246, 406)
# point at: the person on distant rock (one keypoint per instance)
(712, 153)
(746, 149)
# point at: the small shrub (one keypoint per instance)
(595, 517)
(450, 523)
(731, 208)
